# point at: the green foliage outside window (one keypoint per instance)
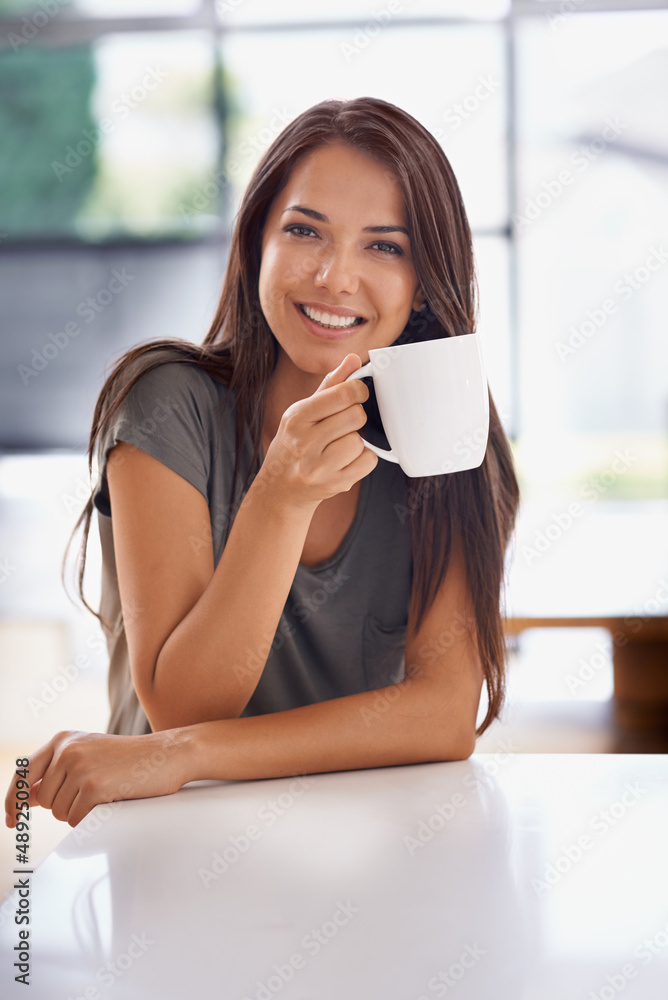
(44, 108)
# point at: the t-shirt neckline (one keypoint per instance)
(350, 535)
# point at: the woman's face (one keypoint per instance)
(335, 252)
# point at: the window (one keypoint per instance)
(591, 219)
(142, 121)
(109, 137)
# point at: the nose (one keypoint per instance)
(336, 270)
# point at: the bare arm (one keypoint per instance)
(76, 771)
(429, 716)
(199, 646)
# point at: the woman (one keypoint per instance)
(326, 613)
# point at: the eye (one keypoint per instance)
(389, 248)
(300, 230)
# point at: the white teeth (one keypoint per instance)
(329, 320)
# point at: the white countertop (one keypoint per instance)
(503, 877)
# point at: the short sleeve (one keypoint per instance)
(168, 413)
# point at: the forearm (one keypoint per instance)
(211, 663)
(392, 726)
(407, 723)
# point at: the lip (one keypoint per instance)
(341, 311)
(320, 331)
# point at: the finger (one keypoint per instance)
(352, 460)
(51, 784)
(332, 399)
(336, 425)
(350, 364)
(331, 396)
(363, 465)
(344, 452)
(34, 792)
(80, 808)
(63, 799)
(38, 763)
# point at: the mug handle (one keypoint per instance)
(364, 372)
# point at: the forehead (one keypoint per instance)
(337, 179)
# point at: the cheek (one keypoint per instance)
(398, 294)
(295, 268)
(267, 280)
(280, 274)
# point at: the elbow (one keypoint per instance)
(143, 663)
(163, 716)
(168, 713)
(457, 746)
(171, 704)
(454, 731)
(161, 711)
(465, 746)
(159, 717)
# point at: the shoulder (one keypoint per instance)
(174, 411)
(177, 388)
(179, 376)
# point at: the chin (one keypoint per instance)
(316, 360)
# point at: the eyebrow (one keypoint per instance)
(312, 214)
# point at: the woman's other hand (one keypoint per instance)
(76, 771)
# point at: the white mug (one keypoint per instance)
(434, 403)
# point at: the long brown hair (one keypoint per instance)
(479, 506)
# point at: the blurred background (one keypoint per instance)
(128, 130)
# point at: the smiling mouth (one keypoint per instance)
(330, 322)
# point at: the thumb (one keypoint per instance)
(350, 364)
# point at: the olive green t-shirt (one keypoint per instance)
(343, 627)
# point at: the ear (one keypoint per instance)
(419, 302)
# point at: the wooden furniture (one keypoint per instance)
(603, 565)
(640, 666)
